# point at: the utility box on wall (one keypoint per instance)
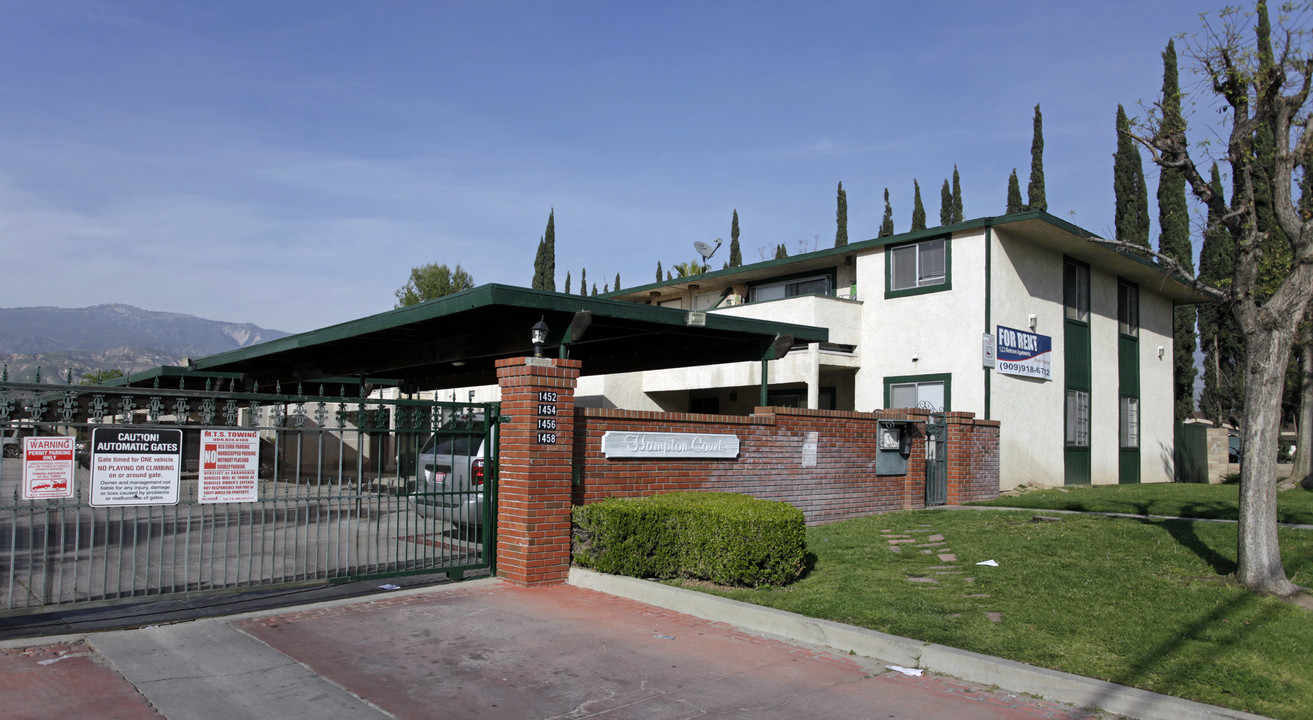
(893, 446)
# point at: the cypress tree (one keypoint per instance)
(841, 218)
(1274, 262)
(567, 282)
(549, 253)
(1174, 240)
(1035, 190)
(537, 283)
(583, 282)
(887, 224)
(957, 216)
(658, 276)
(781, 251)
(945, 205)
(1131, 218)
(918, 210)
(1219, 336)
(617, 282)
(735, 255)
(594, 289)
(1015, 205)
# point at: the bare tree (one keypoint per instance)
(1263, 92)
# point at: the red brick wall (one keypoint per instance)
(533, 484)
(843, 484)
(972, 458)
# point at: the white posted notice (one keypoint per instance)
(135, 466)
(230, 463)
(47, 467)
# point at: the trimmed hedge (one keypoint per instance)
(725, 538)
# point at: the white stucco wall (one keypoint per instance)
(1105, 448)
(925, 334)
(1157, 423)
(1027, 280)
(937, 333)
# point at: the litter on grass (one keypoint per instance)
(990, 563)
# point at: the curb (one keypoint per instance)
(973, 667)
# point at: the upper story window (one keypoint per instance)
(793, 287)
(1128, 308)
(918, 267)
(1076, 290)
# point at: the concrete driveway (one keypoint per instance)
(490, 649)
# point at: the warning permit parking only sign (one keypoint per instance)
(135, 466)
(47, 467)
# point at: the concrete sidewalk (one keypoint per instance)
(600, 647)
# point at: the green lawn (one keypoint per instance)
(1171, 499)
(1140, 602)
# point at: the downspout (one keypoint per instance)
(989, 292)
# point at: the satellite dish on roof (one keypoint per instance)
(705, 250)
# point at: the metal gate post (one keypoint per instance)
(936, 460)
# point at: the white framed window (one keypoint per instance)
(1078, 418)
(813, 285)
(1129, 422)
(917, 394)
(919, 264)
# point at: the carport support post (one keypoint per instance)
(533, 487)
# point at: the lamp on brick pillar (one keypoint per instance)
(539, 334)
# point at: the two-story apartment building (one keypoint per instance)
(1024, 319)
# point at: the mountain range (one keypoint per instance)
(61, 341)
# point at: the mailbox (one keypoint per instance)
(893, 446)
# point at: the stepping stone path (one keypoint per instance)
(934, 543)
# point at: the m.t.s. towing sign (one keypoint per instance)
(135, 466)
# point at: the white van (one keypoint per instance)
(450, 474)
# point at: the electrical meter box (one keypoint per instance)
(893, 445)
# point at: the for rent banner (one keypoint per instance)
(1024, 353)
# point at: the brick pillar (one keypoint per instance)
(972, 458)
(533, 487)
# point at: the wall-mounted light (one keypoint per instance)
(1161, 351)
(1033, 321)
(539, 334)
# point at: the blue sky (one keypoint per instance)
(287, 163)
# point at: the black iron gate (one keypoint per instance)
(329, 488)
(936, 460)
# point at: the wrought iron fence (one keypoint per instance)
(936, 460)
(333, 496)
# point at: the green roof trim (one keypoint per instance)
(507, 295)
(898, 239)
(455, 341)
